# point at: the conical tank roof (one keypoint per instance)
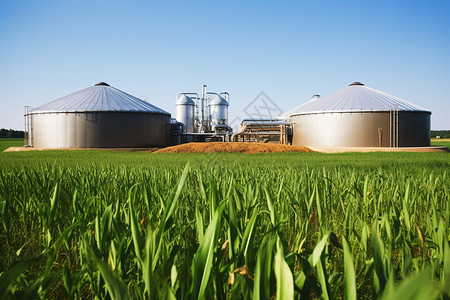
(99, 98)
(217, 100)
(289, 113)
(355, 98)
(184, 100)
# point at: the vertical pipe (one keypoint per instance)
(209, 117)
(227, 96)
(390, 128)
(27, 129)
(396, 139)
(197, 118)
(395, 129)
(204, 95)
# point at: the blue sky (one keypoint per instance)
(289, 50)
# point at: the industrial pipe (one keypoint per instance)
(262, 124)
(259, 120)
(204, 96)
(228, 128)
(227, 96)
(238, 133)
(188, 94)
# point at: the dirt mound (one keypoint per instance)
(214, 147)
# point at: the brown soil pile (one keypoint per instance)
(214, 147)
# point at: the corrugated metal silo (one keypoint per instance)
(100, 116)
(360, 116)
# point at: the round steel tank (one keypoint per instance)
(184, 111)
(359, 116)
(218, 108)
(99, 117)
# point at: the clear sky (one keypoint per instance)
(289, 50)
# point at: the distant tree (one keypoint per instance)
(3, 132)
(10, 133)
(441, 133)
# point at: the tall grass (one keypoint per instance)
(224, 226)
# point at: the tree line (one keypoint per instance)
(11, 133)
(441, 133)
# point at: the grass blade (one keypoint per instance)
(283, 274)
(349, 272)
(202, 263)
(10, 276)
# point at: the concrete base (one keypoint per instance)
(18, 149)
(378, 149)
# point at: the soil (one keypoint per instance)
(242, 147)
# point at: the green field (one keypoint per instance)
(440, 142)
(5, 143)
(101, 224)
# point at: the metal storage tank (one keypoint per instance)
(360, 116)
(218, 108)
(184, 110)
(100, 116)
(286, 115)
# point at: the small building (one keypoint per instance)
(100, 116)
(360, 116)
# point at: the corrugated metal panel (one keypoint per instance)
(355, 98)
(99, 98)
(361, 129)
(290, 112)
(99, 130)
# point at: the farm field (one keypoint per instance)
(101, 224)
(5, 143)
(440, 142)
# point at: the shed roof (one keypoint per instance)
(100, 97)
(355, 98)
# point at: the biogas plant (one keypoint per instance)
(102, 116)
